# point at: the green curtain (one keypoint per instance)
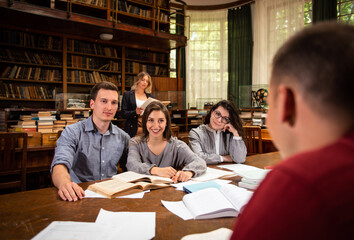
(240, 48)
(324, 10)
(181, 58)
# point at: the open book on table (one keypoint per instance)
(211, 203)
(128, 183)
(133, 177)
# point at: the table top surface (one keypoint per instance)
(24, 214)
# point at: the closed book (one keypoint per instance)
(200, 186)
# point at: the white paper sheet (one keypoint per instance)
(129, 225)
(218, 234)
(178, 208)
(66, 230)
(92, 194)
(211, 174)
(246, 171)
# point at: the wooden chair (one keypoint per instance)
(185, 139)
(175, 131)
(253, 139)
(12, 171)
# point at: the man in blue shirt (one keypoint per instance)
(90, 149)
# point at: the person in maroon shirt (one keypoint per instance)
(310, 195)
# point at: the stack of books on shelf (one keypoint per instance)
(59, 125)
(26, 124)
(66, 116)
(259, 118)
(69, 122)
(45, 121)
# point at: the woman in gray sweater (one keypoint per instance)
(158, 153)
(221, 138)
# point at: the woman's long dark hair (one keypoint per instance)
(234, 117)
(157, 106)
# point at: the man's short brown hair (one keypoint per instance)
(102, 85)
(318, 62)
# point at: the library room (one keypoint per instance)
(193, 119)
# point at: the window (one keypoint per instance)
(206, 57)
(345, 9)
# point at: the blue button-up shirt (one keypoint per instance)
(87, 153)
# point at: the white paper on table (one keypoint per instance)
(212, 173)
(75, 230)
(92, 194)
(129, 225)
(246, 171)
(178, 208)
(218, 234)
(179, 186)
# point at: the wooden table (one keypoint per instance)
(24, 214)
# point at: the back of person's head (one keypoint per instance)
(318, 63)
(157, 106)
(233, 115)
(140, 77)
(102, 85)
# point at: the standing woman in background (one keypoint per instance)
(132, 101)
(221, 137)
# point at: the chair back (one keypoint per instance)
(13, 161)
(253, 139)
(175, 131)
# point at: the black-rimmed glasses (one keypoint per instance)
(218, 115)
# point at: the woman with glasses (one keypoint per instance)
(132, 101)
(158, 153)
(221, 137)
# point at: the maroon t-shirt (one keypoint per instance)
(307, 196)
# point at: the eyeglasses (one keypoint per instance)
(218, 115)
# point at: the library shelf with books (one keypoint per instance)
(90, 63)
(30, 67)
(153, 62)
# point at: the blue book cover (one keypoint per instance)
(200, 186)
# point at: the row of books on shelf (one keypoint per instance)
(92, 48)
(163, 17)
(30, 39)
(31, 73)
(92, 77)
(134, 67)
(93, 63)
(9, 90)
(98, 3)
(124, 6)
(146, 56)
(20, 56)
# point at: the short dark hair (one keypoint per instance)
(318, 62)
(234, 117)
(157, 106)
(102, 85)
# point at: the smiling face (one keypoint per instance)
(156, 124)
(143, 83)
(105, 106)
(216, 118)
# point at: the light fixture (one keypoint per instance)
(106, 36)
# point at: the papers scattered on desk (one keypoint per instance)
(251, 176)
(129, 225)
(108, 225)
(92, 194)
(218, 234)
(213, 173)
(75, 230)
(246, 171)
(210, 203)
